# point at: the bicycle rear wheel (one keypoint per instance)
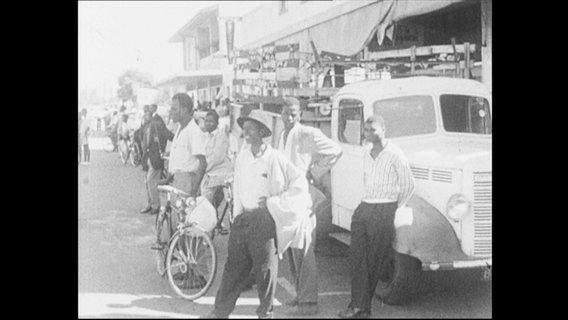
(123, 150)
(191, 263)
(135, 155)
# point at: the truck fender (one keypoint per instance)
(427, 235)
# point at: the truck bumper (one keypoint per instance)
(465, 264)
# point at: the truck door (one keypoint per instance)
(347, 174)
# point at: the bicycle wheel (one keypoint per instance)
(191, 263)
(163, 226)
(123, 150)
(135, 155)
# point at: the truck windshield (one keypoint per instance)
(465, 114)
(407, 116)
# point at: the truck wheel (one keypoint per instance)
(397, 285)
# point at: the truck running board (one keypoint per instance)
(343, 237)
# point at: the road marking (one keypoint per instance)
(284, 283)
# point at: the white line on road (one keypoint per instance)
(284, 283)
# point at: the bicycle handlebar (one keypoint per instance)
(171, 189)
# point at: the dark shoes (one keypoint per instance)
(149, 210)
(303, 309)
(157, 246)
(146, 210)
(355, 313)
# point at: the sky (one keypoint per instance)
(117, 35)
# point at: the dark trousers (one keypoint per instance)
(252, 246)
(86, 153)
(372, 235)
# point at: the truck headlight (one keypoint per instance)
(458, 206)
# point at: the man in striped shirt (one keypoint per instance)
(388, 184)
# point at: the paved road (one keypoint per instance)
(117, 275)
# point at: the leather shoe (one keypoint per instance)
(354, 313)
(146, 210)
(154, 211)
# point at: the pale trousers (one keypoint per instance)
(152, 179)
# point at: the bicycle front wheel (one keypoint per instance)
(163, 228)
(191, 263)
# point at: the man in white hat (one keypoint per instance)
(308, 149)
(271, 208)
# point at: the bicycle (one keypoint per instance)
(110, 144)
(188, 258)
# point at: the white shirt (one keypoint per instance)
(217, 153)
(187, 143)
(252, 176)
(388, 177)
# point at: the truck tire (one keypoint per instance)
(397, 286)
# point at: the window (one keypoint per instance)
(350, 121)
(283, 7)
(407, 116)
(465, 114)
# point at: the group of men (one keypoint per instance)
(198, 161)
(273, 198)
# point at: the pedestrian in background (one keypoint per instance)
(388, 184)
(155, 138)
(271, 200)
(306, 147)
(84, 131)
(219, 165)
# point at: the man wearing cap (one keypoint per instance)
(308, 149)
(271, 206)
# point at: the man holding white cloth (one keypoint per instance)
(307, 148)
(271, 209)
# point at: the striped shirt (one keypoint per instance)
(388, 177)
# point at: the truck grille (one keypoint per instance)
(420, 173)
(442, 176)
(482, 213)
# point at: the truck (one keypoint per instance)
(441, 119)
(443, 125)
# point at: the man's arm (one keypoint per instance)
(405, 179)
(326, 150)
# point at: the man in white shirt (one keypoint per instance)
(216, 152)
(271, 206)
(306, 147)
(388, 184)
(187, 161)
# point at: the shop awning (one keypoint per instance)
(187, 77)
(352, 30)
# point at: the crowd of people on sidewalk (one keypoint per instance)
(275, 208)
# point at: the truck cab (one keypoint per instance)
(443, 125)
